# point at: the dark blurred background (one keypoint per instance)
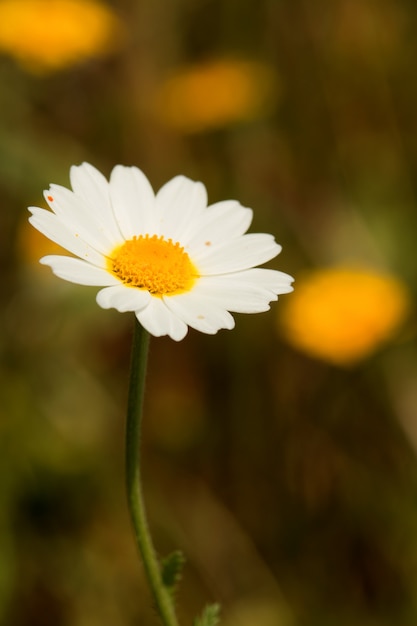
(281, 456)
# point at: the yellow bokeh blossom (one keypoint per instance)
(342, 315)
(48, 35)
(214, 94)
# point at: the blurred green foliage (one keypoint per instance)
(289, 484)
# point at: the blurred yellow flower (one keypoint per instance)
(214, 94)
(48, 35)
(342, 315)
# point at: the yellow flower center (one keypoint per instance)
(155, 264)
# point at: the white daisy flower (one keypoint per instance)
(169, 257)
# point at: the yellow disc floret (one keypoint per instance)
(154, 264)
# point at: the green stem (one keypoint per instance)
(161, 595)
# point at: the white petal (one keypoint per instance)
(220, 222)
(158, 320)
(236, 254)
(275, 281)
(199, 312)
(90, 185)
(256, 278)
(179, 203)
(244, 292)
(51, 226)
(123, 298)
(133, 201)
(236, 298)
(78, 271)
(76, 215)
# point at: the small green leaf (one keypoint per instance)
(171, 569)
(209, 617)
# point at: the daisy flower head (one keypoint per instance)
(168, 257)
